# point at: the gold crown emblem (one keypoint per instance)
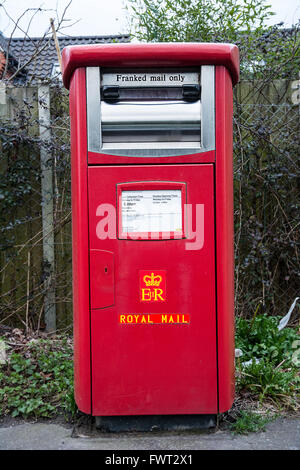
(152, 280)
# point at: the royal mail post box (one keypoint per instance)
(152, 211)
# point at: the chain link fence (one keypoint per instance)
(266, 157)
(266, 192)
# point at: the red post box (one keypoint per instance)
(152, 211)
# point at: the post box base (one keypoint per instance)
(155, 423)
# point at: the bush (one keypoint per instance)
(260, 339)
(272, 374)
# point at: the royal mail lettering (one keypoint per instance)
(154, 318)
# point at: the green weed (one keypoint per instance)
(250, 422)
(275, 377)
(38, 382)
(261, 339)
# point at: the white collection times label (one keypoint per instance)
(152, 211)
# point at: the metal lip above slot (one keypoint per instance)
(203, 116)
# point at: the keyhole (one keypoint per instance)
(105, 269)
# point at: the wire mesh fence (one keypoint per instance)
(266, 190)
(266, 156)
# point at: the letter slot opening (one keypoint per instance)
(150, 107)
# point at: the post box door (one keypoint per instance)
(153, 312)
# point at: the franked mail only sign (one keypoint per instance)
(152, 211)
(150, 79)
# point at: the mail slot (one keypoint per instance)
(150, 107)
(151, 121)
(152, 227)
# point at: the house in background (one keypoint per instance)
(31, 60)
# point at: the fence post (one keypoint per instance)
(47, 207)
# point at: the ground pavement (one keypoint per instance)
(281, 434)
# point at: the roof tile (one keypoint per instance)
(38, 55)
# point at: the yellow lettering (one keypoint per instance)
(149, 321)
(164, 319)
(129, 318)
(143, 320)
(146, 294)
(122, 319)
(136, 318)
(171, 319)
(158, 293)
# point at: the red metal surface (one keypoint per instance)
(81, 303)
(100, 159)
(102, 283)
(224, 238)
(139, 367)
(159, 368)
(150, 55)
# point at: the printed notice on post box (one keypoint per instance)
(151, 211)
(150, 79)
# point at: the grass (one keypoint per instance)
(249, 421)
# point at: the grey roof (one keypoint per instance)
(38, 55)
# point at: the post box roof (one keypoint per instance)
(150, 55)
